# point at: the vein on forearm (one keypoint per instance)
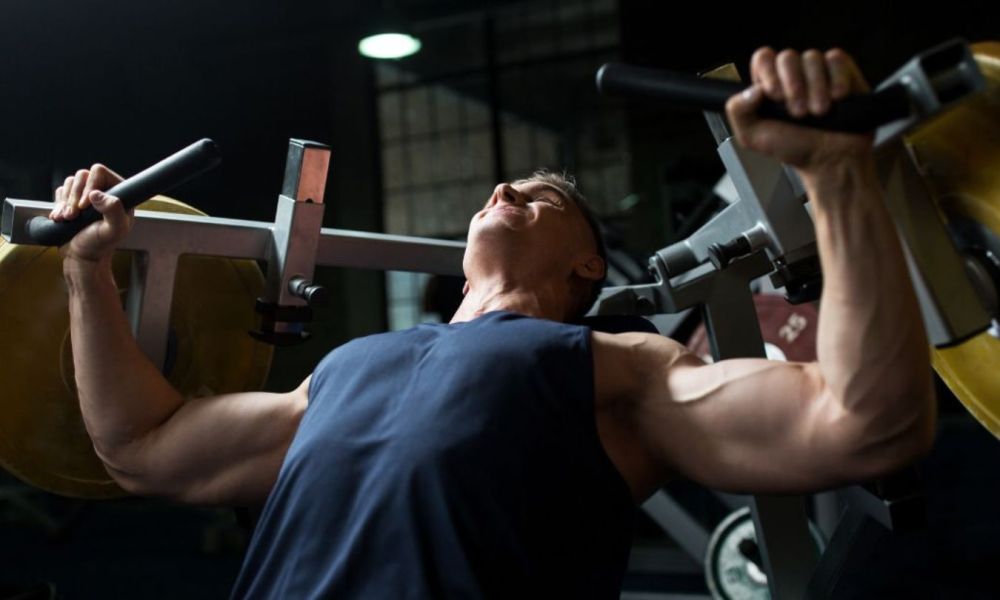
(871, 335)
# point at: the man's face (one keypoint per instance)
(532, 221)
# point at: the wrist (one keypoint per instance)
(841, 178)
(80, 272)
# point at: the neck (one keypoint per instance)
(486, 295)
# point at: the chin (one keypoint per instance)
(493, 239)
(491, 226)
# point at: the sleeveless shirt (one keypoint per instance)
(447, 461)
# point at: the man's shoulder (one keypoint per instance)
(624, 363)
(635, 345)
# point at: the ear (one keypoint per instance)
(590, 267)
(465, 288)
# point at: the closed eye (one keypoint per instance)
(547, 198)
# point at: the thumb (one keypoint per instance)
(742, 112)
(112, 209)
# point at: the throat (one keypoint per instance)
(533, 302)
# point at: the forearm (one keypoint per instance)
(872, 348)
(123, 396)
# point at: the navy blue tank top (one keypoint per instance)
(447, 461)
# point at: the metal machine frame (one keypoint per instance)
(291, 246)
(767, 230)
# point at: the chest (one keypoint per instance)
(454, 382)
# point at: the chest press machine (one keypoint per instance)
(766, 231)
(953, 266)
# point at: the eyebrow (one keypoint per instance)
(535, 186)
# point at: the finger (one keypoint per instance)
(96, 181)
(817, 87)
(75, 190)
(114, 213)
(742, 112)
(103, 177)
(57, 200)
(788, 142)
(839, 72)
(763, 72)
(846, 73)
(792, 82)
(60, 205)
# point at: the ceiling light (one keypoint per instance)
(389, 45)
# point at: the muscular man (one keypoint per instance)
(501, 455)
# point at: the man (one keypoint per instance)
(501, 455)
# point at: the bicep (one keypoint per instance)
(745, 424)
(223, 449)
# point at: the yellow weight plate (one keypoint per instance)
(960, 153)
(42, 436)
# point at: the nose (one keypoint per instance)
(505, 192)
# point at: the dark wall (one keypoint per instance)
(128, 83)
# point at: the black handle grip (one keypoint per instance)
(164, 175)
(857, 114)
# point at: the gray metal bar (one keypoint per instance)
(731, 318)
(159, 239)
(305, 171)
(951, 309)
(826, 512)
(934, 80)
(770, 202)
(159, 231)
(681, 526)
(855, 537)
(862, 501)
(295, 236)
(786, 546)
(344, 248)
(150, 296)
(764, 185)
(297, 223)
(235, 238)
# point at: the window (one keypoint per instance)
(493, 98)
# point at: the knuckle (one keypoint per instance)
(82, 173)
(788, 56)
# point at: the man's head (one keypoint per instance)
(540, 231)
